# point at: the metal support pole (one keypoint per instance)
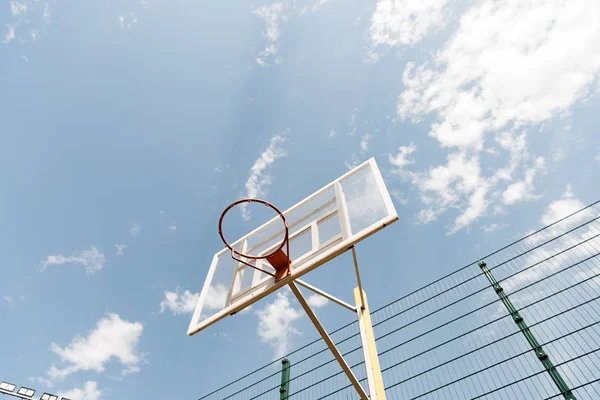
(362, 299)
(367, 337)
(336, 353)
(537, 348)
(284, 390)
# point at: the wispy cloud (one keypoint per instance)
(10, 34)
(364, 142)
(222, 167)
(112, 339)
(127, 20)
(275, 324)
(135, 230)
(405, 22)
(396, 194)
(492, 227)
(17, 7)
(92, 259)
(11, 301)
(359, 156)
(259, 179)
(89, 391)
(523, 190)
(172, 227)
(120, 249)
(47, 15)
(273, 15)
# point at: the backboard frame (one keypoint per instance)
(268, 285)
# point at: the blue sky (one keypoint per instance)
(127, 126)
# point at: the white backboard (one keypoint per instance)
(321, 227)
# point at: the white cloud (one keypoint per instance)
(426, 216)
(558, 209)
(10, 34)
(120, 249)
(25, 58)
(488, 77)
(491, 80)
(8, 300)
(172, 227)
(177, 303)
(597, 158)
(523, 189)
(89, 391)
(259, 179)
(17, 7)
(401, 159)
(185, 303)
(317, 301)
(275, 326)
(215, 298)
(127, 20)
(112, 338)
(35, 34)
(445, 186)
(405, 22)
(516, 147)
(92, 259)
(460, 185)
(135, 230)
(273, 15)
(332, 134)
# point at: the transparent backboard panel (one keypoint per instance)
(321, 227)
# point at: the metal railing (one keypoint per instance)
(526, 325)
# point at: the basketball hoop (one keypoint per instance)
(278, 259)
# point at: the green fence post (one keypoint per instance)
(284, 390)
(537, 348)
